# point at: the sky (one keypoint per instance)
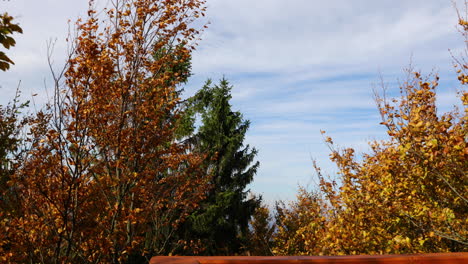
(296, 67)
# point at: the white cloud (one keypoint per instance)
(297, 66)
(265, 36)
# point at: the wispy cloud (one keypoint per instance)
(296, 35)
(297, 66)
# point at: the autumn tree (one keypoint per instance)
(10, 120)
(260, 235)
(300, 225)
(12, 124)
(409, 194)
(221, 222)
(12, 148)
(105, 178)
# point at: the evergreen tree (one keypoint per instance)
(221, 223)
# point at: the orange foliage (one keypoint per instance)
(105, 178)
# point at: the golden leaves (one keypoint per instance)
(108, 166)
(407, 196)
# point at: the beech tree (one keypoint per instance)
(105, 178)
(300, 225)
(407, 196)
(12, 124)
(260, 236)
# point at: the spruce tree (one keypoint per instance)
(221, 223)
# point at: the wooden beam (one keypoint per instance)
(436, 258)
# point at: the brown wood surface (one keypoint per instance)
(437, 258)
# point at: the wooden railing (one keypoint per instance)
(438, 258)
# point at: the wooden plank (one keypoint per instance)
(436, 258)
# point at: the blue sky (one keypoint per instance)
(297, 67)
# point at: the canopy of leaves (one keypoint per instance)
(407, 196)
(105, 181)
(260, 236)
(7, 27)
(12, 148)
(300, 225)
